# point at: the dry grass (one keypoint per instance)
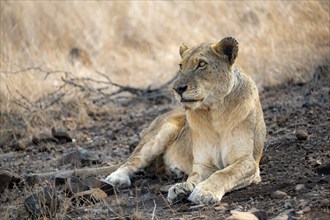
(136, 43)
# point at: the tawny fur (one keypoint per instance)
(216, 137)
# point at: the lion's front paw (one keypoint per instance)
(119, 179)
(202, 194)
(179, 191)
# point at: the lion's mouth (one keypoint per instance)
(190, 100)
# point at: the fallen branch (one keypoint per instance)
(96, 171)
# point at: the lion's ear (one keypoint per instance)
(183, 49)
(228, 47)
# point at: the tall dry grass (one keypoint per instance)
(136, 43)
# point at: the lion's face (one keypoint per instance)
(205, 75)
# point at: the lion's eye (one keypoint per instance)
(201, 64)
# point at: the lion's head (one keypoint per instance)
(205, 75)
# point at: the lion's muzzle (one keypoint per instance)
(180, 89)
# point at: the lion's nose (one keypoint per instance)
(180, 89)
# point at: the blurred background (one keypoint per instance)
(136, 43)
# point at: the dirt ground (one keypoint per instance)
(296, 161)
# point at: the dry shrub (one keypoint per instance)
(136, 43)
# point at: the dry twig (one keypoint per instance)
(98, 171)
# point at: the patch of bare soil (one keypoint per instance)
(295, 167)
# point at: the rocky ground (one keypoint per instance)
(295, 167)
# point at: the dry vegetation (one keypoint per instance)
(136, 43)
(135, 40)
(58, 58)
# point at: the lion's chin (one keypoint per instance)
(191, 104)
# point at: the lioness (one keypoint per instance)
(216, 137)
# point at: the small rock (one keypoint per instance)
(265, 159)
(32, 180)
(287, 211)
(103, 184)
(75, 185)
(305, 210)
(299, 187)
(222, 207)
(303, 203)
(43, 203)
(237, 215)
(312, 194)
(238, 208)
(43, 138)
(92, 182)
(88, 157)
(260, 214)
(62, 135)
(302, 135)
(80, 157)
(72, 157)
(21, 144)
(7, 177)
(281, 217)
(278, 195)
(94, 195)
(107, 188)
(289, 204)
(324, 169)
(61, 177)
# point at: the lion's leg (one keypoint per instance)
(161, 133)
(237, 175)
(199, 173)
(240, 168)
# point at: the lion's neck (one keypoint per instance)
(225, 110)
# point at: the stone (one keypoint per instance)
(279, 195)
(281, 217)
(6, 178)
(75, 185)
(323, 169)
(301, 135)
(299, 187)
(265, 159)
(72, 157)
(222, 207)
(20, 144)
(94, 182)
(260, 214)
(305, 210)
(238, 215)
(32, 180)
(43, 138)
(62, 135)
(61, 177)
(42, 203)
(88, 157)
